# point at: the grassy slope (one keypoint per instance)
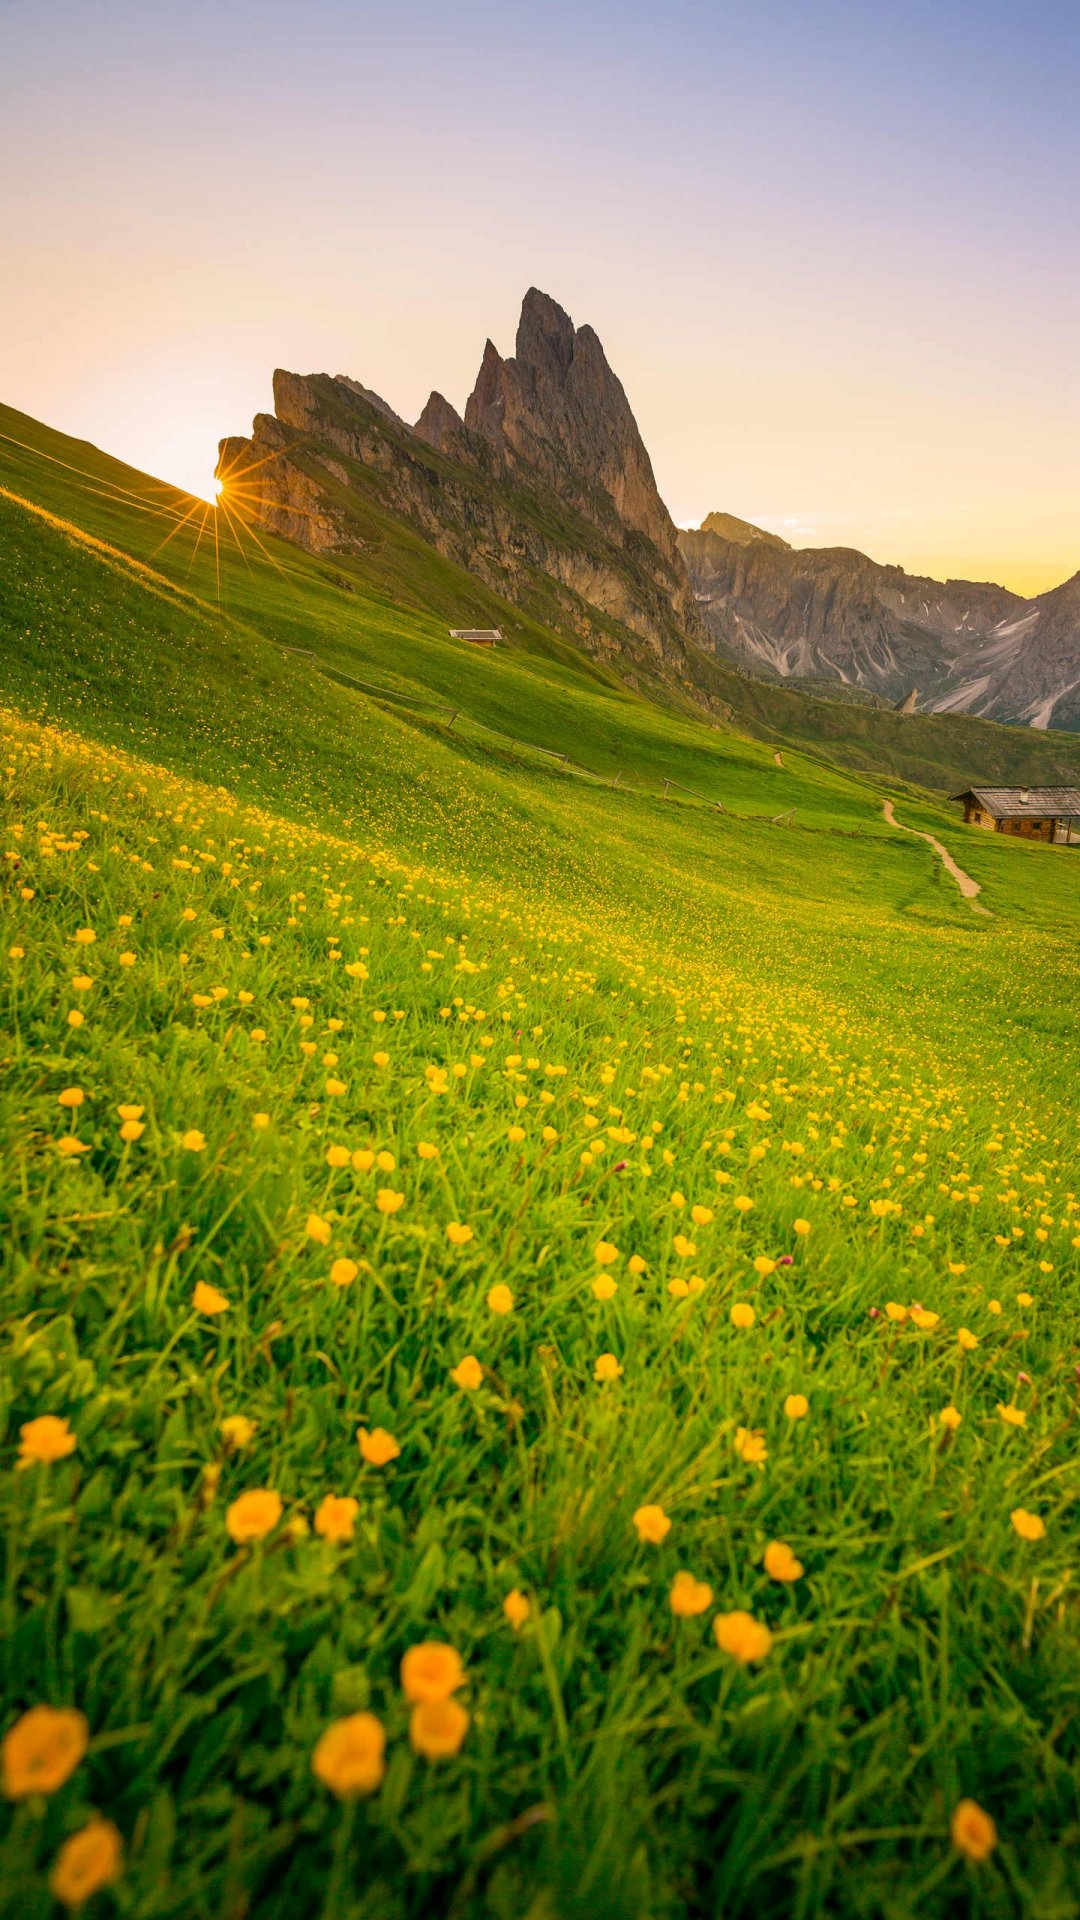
(709, 986)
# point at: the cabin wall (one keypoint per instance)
(1028, 829)
(975, 817)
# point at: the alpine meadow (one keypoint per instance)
(539, 1042)
(541, 1369)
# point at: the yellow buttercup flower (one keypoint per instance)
(652, 1525)
(973, 1831)
(689, 1596)
(747, 1640)
(468, 1374)
(517, 1609)
(335, 1518)
(69, 1145)
(42, 1750)
(207, 1299)
(750, 1446)
(89, 1860)
(1027, 1525)
(378, 1447)
(431, 1671)
(349, 1756)
(45, 1440)
(437, 1728)
(253, 1515)
(780, 1563)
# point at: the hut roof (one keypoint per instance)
(1025, 803)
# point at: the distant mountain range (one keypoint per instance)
(832, 614)
(544, 490)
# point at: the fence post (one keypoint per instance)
(617, 778)
(452, 718)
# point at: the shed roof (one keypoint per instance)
(1025, 803)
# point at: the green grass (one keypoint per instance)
(603, 1010)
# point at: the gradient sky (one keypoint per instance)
(832, 249)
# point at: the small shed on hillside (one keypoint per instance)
(1035, 813)
(478, 636)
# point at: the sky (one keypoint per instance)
(831, 246)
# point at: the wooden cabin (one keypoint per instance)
(478, 636)
(1034, 813)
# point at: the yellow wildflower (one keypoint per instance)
(743, 1637)
(349, 1756)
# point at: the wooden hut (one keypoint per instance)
(478, 636)
(1034, 813)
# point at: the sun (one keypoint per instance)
(217, 489)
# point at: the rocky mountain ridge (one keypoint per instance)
(831, 614)
(544, 490)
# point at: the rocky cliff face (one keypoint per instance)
(1027, 668)
(557, 412)
(832, 614)
(544, 490)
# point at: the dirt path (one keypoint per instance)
(968, 887)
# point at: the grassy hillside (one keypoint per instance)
(688, 1200)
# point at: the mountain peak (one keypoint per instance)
(545, 334)
(556, 412)
(742, 533)
(440, 424)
